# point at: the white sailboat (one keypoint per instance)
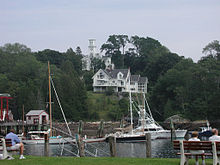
(37, 136)
(146, 124)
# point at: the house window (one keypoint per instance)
(36, 121)
(29, 117)
(101, 75)
(141, 87)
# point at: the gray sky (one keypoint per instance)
(183, 26)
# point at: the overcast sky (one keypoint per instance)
(183, 26)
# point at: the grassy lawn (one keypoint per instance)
(32, 160)
(101, 104)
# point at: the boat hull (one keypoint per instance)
(164, 134)
(51, 141)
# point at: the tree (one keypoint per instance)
(213, 49)
(97, 64)
(15, 48)
(24, 75)
(112, 48)
(53, 56)
(74, 58)
(87, 77)
(78, 51)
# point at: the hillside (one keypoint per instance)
(101, 106)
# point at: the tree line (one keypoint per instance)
(24, 75)
(177, 85)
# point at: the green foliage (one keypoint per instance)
(88, 81)
(176, 85)
(26, 79)
(97, 64)
(213, 49)
(74, 58)
(106, 107)
(188, 88)
(109, 91)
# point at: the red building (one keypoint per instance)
(4, 106)
(37, 117)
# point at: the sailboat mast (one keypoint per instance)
(130, 100)
(50, 98)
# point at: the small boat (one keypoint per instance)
(38, 137)
(146, 124)
(205, 131)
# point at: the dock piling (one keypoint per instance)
(112, 145)
(80, 145)
(46, 145)
(148, 145)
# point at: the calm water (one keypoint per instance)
(160, 148)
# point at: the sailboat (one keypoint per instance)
(38, 137)
(146, 124)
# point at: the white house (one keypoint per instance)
(120, 80)
(37, 117)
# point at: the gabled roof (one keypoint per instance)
(5, 95)
(115, 72)
(135, 77)
(34, 112)
(105, 71)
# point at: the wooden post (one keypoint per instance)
(46, 145)
(100, 129)
(80, 127)
(80, 145)
(172, 130)
(148, 145)
(112, 145)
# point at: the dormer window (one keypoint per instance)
(120, 75)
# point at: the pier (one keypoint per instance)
(18, 127)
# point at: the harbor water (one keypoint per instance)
(160, 149)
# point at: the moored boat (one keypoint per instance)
(38, 137)
(146, 124)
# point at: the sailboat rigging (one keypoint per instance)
(146, 124)
(37, 137)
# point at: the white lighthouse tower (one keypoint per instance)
(92, 48)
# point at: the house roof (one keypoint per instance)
(101, 70)
(115, 72)
(142, 79)
(5, 95)
(34, 112)
(135, 77)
